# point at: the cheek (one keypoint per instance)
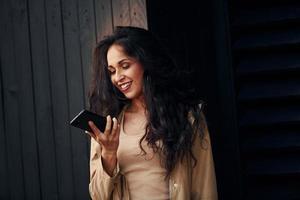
(139, 75)
(139, 79)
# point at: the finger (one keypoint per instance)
(118, 131)
(88, 133)
(108, 125)
(92, 135)
(115, 126)
(94, 128)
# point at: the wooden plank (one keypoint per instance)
(269, 115)
(268, 39)
(4, 194)
(266, 16)
(60, 100)
(138, 13)
(268, 63)
(270, 140)
(271, 163)
(121, 13)
(76, 96)
(269, 89)
(87, 40)
(88, 36)
(286, 187)
(103, 18)
(25, 95)
(43, 100)
(15, 181)
(4, 191)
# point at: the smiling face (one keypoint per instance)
(126, 72)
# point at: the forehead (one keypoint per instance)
(115, 54)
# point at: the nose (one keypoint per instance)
(119, 76)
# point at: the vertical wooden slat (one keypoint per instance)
(87, 31)
(87, 40)
(4, 189)
(25, 96)
(103, 18)
(3, 153)
(15, 180)
(60, 99)
(138, 13)
(121, 13)
(76, 96)
(42, 99)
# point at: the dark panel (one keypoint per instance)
(197, 36)
(60, 99)
(26, 101)
(76, 96)
(265, 40)
(11, 110)
(173, 29)
(228, 160)
(103, 18)
(43, 100)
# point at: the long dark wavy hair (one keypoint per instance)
(167, 99)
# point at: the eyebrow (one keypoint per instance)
(120, 62)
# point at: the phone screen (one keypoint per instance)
(81, 121)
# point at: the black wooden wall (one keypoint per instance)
(45, 63)
(245, 55)
(265, 39)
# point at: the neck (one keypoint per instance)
(137, 105)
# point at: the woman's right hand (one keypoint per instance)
(109, 139)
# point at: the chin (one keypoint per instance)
(131, 95)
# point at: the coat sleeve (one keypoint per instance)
(101, 184)
(204, 185)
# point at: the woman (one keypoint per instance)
(157, 144)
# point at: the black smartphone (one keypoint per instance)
(81, 121)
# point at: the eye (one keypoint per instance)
(125, 65)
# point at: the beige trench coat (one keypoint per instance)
(186, 182)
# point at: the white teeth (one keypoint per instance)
(125, 85)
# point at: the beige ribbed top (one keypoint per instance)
(144, 174)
